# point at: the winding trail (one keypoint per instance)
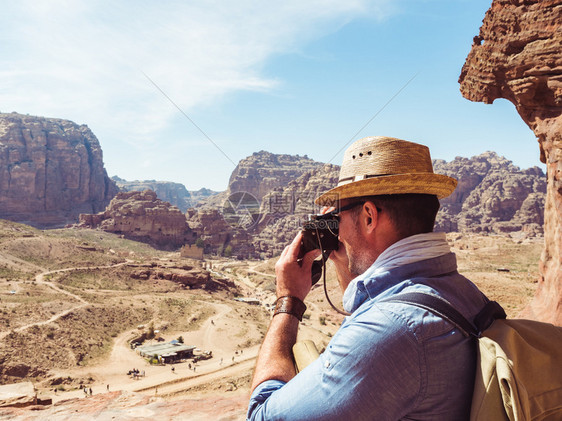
(40, 279)
(220, 333)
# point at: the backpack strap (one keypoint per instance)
(442, 308)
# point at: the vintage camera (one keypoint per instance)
(320, 232)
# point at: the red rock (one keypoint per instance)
(144, 217)
(518, 56)
(51, 170)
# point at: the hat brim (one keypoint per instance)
(422, 183)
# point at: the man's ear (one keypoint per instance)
(370, 216)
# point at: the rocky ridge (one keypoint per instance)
(263, 171)
(517, 56)
(142, 216)
(168, 191)
(229, 222)
(493, 196)
(51, 170)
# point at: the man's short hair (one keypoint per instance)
(409, 213)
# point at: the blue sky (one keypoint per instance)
(287, 77)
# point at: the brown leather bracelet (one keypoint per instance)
(290, 305)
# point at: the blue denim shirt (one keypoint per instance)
(388, 361)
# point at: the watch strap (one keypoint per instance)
(290, 305)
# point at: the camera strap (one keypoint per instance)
(325, 256)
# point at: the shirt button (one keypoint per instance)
(327, 364)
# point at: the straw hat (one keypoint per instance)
(385, 165)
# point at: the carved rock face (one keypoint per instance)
(263, 171)
(518, 56)
(142, 216)
(50, 171)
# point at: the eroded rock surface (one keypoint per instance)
(135, 406)
(492, 196)
(144, 217)
(263, 171)
(175, 193)
(518, 56)
(51, 170)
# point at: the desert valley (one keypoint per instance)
(140, 299)
(81, 293)
(74, 300)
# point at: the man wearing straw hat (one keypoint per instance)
(388, 360)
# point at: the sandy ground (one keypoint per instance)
(220, 333)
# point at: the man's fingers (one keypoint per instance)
(294, 247)
(327, 209)
(309, 258)
(284, 252)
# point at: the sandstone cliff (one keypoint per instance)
(284, 210)
(51, 170)
(492, 196)
(142, 216)
(228, 222)
(517, 56)
(174, 193)
(263, 171)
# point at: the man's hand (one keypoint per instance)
(275, 359)
(340, 260)
(294, 277)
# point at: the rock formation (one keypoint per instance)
(218, 236)
(518, 56)
(132, 406)
(142, 216)
(283, 210)
(263, 171)
(190, 274)
(492, 196)
(174, 193)
(228, 222)
(18, 395)
(51, 170)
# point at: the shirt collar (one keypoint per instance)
(373, 282)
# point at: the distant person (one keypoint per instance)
(389, 360)
(108, 388)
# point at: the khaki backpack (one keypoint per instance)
(519, 362)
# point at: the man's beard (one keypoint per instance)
(359, 261)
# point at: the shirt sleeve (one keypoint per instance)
(372, 369)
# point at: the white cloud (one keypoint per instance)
(85, 60)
